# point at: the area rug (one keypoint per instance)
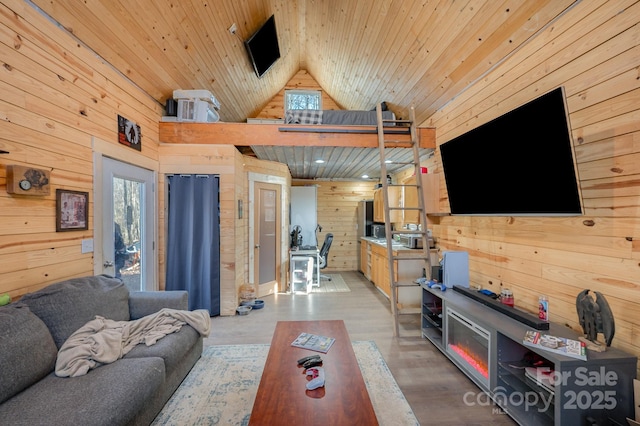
(336, 285)
(222, 386)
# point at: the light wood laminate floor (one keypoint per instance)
(437, 391)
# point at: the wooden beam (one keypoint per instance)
(247, 134)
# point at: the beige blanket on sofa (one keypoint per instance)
(102, 341)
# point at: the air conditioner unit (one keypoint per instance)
(203, 95)
(196, 111)
(197, 106)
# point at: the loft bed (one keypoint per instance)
(336, 117)
(341, 128)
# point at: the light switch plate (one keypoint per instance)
(87, 245)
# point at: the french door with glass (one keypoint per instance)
(128, 225)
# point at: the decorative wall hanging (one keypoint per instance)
(24, 180)
(129, 133)
(72, 210)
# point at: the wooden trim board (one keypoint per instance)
(246, 134)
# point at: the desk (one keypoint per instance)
(301, 265)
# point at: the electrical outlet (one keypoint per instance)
(233, 28)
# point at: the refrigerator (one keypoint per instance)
(364, 214)
(304, 213)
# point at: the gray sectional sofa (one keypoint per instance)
(129, 391)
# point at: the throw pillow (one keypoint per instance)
(68, 305)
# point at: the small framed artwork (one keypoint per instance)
(72, 210)
(129, 133)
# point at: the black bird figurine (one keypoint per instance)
(595, 317)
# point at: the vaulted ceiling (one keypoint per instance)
(419, 53)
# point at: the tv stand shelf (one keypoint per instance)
(524, 317)
(600, 388)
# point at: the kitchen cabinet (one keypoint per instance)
(410, 200)
(381, 265)
(378, 257)
(365, 258)
(430, 193)
(385, 284)
(405, 270)
(378, 206)
(395, 199)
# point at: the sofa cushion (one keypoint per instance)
(27, 352)
(143, 303)
(68, 305)
(172, 348)
(109, 395)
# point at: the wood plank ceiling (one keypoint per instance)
(417, 53)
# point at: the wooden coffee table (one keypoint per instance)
(282, 397)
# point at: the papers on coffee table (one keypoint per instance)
(313, 342)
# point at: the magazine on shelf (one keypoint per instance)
(543, 377)
(313, 342)
(559, 345)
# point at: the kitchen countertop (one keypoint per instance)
(383, 242)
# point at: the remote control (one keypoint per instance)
(312, 362)
(317, 381)
(307, 358)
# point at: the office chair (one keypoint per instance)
(324, 255)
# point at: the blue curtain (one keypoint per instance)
(193, 240)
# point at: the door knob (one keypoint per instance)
(107, 264)
(257, 246)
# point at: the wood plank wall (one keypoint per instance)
(594, 52)
(301, 81)
(59, 103)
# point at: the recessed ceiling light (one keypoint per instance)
(388, 161)
(365, 176)
(320, 161)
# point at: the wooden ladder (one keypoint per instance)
(385, 142)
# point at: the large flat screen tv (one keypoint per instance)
(263, 47)
(519, 164)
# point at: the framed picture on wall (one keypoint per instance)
(129, 133)
(72, 210)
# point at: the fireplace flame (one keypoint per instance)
(473, 360)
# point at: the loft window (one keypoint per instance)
(303, 99)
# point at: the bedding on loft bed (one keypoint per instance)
(335, 117)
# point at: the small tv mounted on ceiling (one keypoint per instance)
(263, 47)
(519, 164)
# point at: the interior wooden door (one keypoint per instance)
(267, 232)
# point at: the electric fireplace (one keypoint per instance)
(468, 344)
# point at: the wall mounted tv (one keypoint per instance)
(519, 164)
(263, 47)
